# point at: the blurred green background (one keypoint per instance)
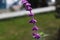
(19, 29)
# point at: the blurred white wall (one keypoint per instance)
(52, 2)
(10, 2)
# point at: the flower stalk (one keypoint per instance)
(35, 33)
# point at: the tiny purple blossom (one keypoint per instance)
(33, 34)
(24, 1)
(27, 4)
(35, 28)
(32, 21)
(30, 14)
(28, 8)
(36, 36)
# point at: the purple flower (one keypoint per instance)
(24, 1)
(35, 28)
(32, 21)
(27, 4)
(33, 34)
(36, 36)
(31, 14)
(28, 8)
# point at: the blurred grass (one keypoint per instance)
(19, 29)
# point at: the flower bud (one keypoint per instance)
(36, 36)
(28, 8)
(35, 28)
(32, 21)
(24, 1)
(27, 4)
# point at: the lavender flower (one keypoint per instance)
(30, 14)
(33, 34)
(36, 36)
(24, 1)
(35, 28)
(27, 4)
(28, 8)
(32, 21)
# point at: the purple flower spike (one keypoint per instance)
(37, 36)
(32, 21)
(35, 28)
